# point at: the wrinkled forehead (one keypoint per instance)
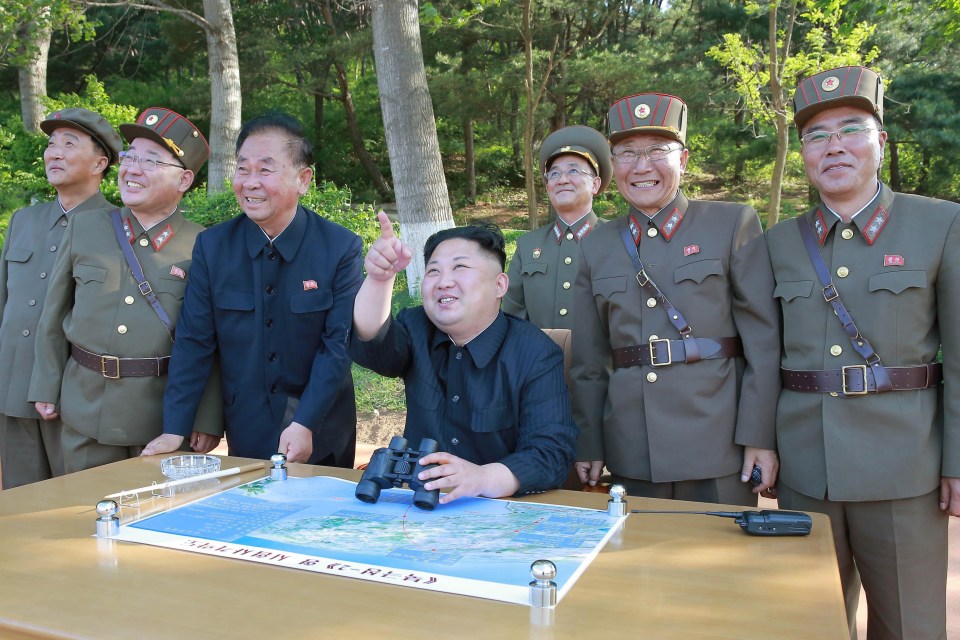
(830, 119)
(640, 140)
(570, 160)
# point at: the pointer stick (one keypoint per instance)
(176, 483)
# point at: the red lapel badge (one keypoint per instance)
(309, 284)
(892, 261)
(691, 249)
(177, 271)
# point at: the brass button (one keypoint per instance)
(567, 260)
(652, 232)
(26, 332)
(843, 272)
(654, 337)
(128, 299)
(836, 350)
(122, 329)
(834, 394)
(144, 242)
(651, 302)
(569, 236)
(651, 377)
(847, 234)
(563, 312)
(43, 274)
(566, 285)
(63, 223)
(53, 248)
(32, 303)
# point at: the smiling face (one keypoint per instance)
(267, 184)
(572, 196)
(649, 186)
(462, 287)
(73, 160)
(844, 171)
(157, 192)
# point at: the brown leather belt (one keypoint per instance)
(858, 380)
(663, 352)
(113, 367)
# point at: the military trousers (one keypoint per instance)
(30, 450)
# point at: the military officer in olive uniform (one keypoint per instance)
(576, 166)
(674, 356)
(81, 148)
(102, 349)
(866, 432)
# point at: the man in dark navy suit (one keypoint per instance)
(272, 291)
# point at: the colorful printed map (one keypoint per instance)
(472, 546)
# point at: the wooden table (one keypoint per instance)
(661, 576)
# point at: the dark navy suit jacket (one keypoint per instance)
(279, 316)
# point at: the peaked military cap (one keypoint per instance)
(89, 122)
(657, 113)
(171, 130)
(843, 86)
(582, 141)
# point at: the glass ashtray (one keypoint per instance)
(178, 467)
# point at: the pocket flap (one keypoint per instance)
(18, 254)
(789, 290)
(235, 301)
(898, 281)
(491, 419)
(698, 271)
(606, 287)
(534, 267)
(310, 301)
(89, 273)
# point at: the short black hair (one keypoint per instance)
(485, 234)
(301, 150)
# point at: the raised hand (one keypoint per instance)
(387, 256)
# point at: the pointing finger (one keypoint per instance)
(386, 227)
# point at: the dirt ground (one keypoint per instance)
(378, 428)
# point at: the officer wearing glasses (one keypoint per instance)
(102, 349)
(866, 431)
(674, 355)
(576, 167)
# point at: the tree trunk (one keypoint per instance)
(469, 160)
(530, 113)
(779, 167)
(318, 153)
(353, 126)
(225, 93)
(33, 74)
(896, 180)
(411, 130)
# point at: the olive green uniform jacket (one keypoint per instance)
(683, 421)
(94, 302)
(542, 272)
(902, 289)
(33, 242)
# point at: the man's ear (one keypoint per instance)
(186, 179)
(503, 282)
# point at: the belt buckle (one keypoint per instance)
(862, 368)
(645, 278)
(653, 352)
(103, 366)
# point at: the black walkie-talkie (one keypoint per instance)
(757, 523)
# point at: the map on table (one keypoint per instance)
(472, 546)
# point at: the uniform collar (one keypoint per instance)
(96, 201)
(287, 243)
(159, 234)
(870, 221)
(580, 229)
(667, 220)
(482, 348)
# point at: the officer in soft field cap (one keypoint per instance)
(674, 352)
(576, 166)
(869, 430)
(80, 150)
(104, 341)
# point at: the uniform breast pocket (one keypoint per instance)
(18, 254)
(491, 419)
(896, 282)
(89, 274)
(791, 290)
(605, 287)
(235, 301)
(698, 271)
(311, 302)
(533, 268)
(425, 395)
(173, 287)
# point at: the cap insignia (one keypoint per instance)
(566, 148)
(642, 111)
(830, 83)
(151, 120)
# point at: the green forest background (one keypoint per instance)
(314, 59)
